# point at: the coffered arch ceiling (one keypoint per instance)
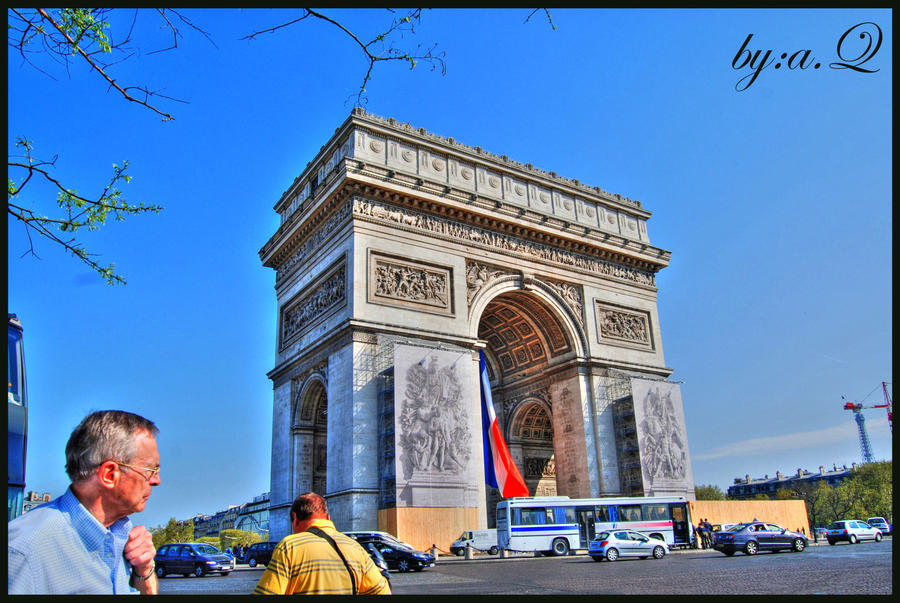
(523, 336)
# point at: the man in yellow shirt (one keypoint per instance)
(307, 562)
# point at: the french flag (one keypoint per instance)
(500, 470)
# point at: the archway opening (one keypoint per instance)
(528, 352)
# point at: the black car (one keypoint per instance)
(259, 553)
(188, 558)
(751, 538)
(398, 555)
(378, 559)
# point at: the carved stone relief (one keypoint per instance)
(312, 303)
(539, 467)
(571, 294)
(313, 242)
(479, 276)
(404, 283)
(615, 325)
(488, 239)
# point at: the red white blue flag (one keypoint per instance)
(500, 470)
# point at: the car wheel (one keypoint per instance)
(460, 552)
(853, 539)
(831, 542)
(160, 571)
(877, 537)
(659, 552)
(560, 547)
(751, 548)
(799, 545)
(612, 554)
(403, 566)
(198, 571)
(493, 550)
(252, 562)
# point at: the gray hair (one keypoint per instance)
(102, 436)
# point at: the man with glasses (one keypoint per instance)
(83, 542)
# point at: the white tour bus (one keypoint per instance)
(555, 525)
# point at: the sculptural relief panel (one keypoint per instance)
(620, 326)
(313, 304)
(472, 235)
(404, 283)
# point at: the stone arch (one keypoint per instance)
(531, 429)
(534, 341)
(572, 325)
(309, 437)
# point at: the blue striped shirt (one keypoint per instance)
(60, 548)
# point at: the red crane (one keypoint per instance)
(864, 444)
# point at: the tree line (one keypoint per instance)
(183, 531)
(868, 492)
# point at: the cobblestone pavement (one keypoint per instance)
(840, 569)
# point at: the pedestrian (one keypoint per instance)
(701, 535)
(707, 533)
(84, 542)
(317, 559)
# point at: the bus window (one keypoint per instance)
(605, 513)
(629, 512)
(533, 516)
(655, 512)
(501, 514)
(563, 515)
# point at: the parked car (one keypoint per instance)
(626, 543)
(188, 558)
(881, 524)
(378, 559)
(852, 531)
(398, 555)
(259, 553)
(374, 534)
(755, 536)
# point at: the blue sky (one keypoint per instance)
(775, 202)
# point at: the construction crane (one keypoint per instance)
(857, 408)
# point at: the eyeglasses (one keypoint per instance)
(154, 471)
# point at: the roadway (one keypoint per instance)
(820, 569)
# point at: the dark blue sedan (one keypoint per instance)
(751, 538)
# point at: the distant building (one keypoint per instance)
(748, 488)
(33, 499)
(250, 516)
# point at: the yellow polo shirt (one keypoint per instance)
(307, 564)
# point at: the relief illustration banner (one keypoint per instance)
(437, 430)
(662, 437)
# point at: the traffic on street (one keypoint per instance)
(856, 569)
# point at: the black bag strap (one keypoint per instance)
(320, 533)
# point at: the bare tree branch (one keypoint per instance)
(373, 55)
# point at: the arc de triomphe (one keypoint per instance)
(401, 254)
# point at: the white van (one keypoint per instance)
(479, 540)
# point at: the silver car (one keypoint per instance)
(852, 531)
(626, 543)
